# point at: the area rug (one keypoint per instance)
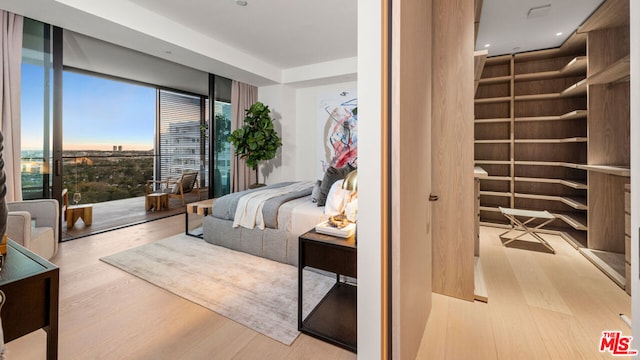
(256, 292)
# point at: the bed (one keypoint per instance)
(274, 236)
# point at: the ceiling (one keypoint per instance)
(505, 26)
(284, 33)
(281, 41)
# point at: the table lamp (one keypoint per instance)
(351, 183)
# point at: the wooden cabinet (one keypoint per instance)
(552, 131)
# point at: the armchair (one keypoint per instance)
(175, 188)
(34, 224)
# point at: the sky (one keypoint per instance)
(98, 113)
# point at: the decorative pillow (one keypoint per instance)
(316, 191)
(336, 199)
(331, 176)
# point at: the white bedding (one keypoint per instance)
(300, 215)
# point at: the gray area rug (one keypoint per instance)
(256, 292)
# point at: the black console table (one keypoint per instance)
(334, 319)
(30, 285)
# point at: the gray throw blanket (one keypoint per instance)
(225, 207)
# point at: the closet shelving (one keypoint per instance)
(527, 109)
(552, 132)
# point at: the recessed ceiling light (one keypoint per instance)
(559, 33)
(241, 2)
(487, 45)
(167, 52)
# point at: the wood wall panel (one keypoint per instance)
(606, 212)
(452, 154)
(609, 111)
(606, 46)
(411, 174)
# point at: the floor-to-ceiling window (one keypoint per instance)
(221, 131)
(36, 110)
(108, 137)
(182, 144)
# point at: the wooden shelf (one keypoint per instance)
(493, 100)
(616, 72)
(549, 163)
(495, 193)
(498, 178)
(577, 65)
(480, 173)
(480, 57)
(574, 202)
(492, 121)
(495, 80)
(569, 183)
(496, 141)
(576, 114)
(488, 208)
(493, 162)
(611, 170)
(551, 141)
(575, 220)
(548, 96)
(577, 89)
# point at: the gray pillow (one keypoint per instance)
(330, 176)
(316, 191)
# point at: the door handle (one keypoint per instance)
(433, 198)
(58, 167)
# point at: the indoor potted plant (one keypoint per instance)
(257, 140)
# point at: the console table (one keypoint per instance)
(30, 285)
(334, 319)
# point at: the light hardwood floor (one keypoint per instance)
(541, 306)
(106, 313)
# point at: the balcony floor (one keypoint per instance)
(111, 215)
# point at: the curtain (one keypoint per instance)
(10, 115)
(242, 97)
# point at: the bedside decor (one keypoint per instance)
(257, 140)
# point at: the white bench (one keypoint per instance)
(518, 225)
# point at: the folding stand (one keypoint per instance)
(518, 225)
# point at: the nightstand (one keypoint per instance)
(334, 318)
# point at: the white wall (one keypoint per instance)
(635, 170)
(370, 126)
(295, 115)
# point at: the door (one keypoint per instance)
(410, 174)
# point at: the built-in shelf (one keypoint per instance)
(492, 162)
(575, 220)
(549, 163)
(495, 193)
(493, 141)
(498, 178)
(574, 202)
(574, 184)
(480, 173)
(551, 141)
(493, 100)
(576, 114)
(611, 170)
(577, 89)
(495, 80)
(618, 71)
(492, 121)
(577, 65)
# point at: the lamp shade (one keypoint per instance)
(351, 181)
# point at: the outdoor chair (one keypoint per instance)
(174, 188)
